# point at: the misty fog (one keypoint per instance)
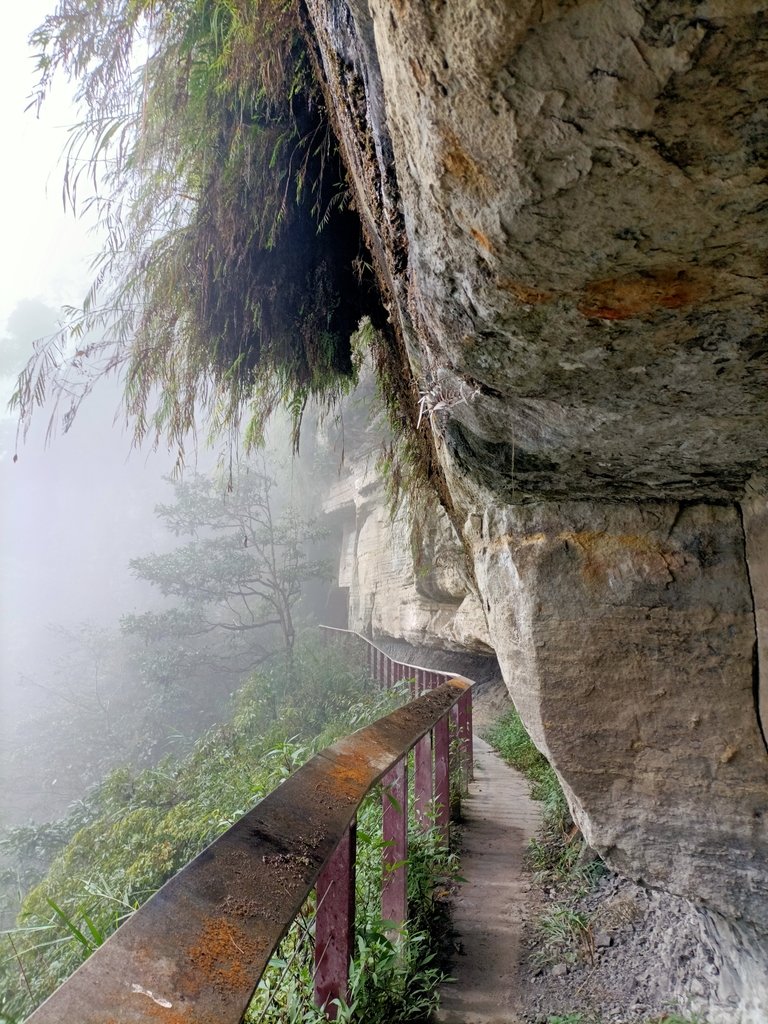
(85, 684)
(72, 514)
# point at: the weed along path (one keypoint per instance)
(493, 903)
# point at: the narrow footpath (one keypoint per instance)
(492, 905)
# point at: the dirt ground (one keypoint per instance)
(639, 958)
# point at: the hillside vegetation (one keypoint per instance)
(139, 827)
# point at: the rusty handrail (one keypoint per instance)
(195, 951)
(388, 671)
(377, 655)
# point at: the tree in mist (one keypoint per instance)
(236, 582)
(30, 320)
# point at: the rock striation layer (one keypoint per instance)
(566, 204)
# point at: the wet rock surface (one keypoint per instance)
(569, 201)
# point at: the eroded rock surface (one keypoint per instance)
(632, 662)
(566, 203)
(406, 579)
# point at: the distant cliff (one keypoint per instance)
(566, 207)
(403, 582)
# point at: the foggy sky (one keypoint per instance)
(46, 251)
(71, 517)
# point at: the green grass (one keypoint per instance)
(510, 738)
(567, 936)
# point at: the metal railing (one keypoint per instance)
(387, 671)
(195, 951)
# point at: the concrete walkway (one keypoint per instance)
(492, 904)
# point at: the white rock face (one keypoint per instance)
(403, 583)
(566, 205)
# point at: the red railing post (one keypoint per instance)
(458, 754)
(394, 890)
(334, 925)
(471, 736)
(422, 782)
(412, 685)
(465, 736)
(442, 776)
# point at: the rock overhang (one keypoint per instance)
(572, 234)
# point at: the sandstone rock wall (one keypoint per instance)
(407, 580)
(633, 665)
(566, 204)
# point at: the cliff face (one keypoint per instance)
(407, 583)
(566, 205)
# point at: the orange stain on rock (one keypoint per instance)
(638, 295)
(524, 293)
(607, 555)
(482, 240)
(458, 163)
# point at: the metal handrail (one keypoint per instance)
(388, 671)
(195, 951)
(376, 654)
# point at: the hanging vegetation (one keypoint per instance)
(226, 283)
